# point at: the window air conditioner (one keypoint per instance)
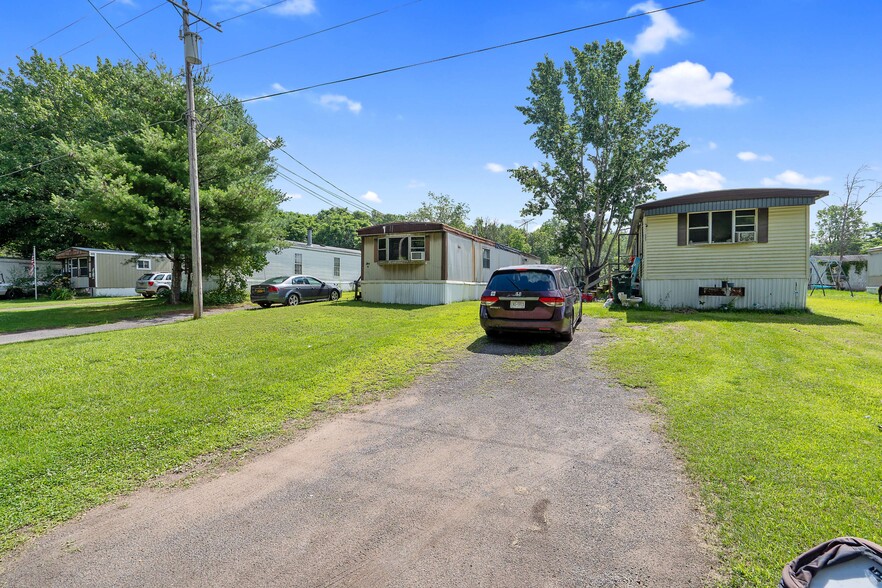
(416, 255)
(745, 236)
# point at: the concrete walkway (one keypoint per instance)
(164, 319)
(505, 468)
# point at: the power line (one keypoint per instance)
(67, 26)
(258, 9)
(300, 38)
(119, 26)
(121, 38)
(464, 54)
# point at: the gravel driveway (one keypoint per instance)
(514, 465)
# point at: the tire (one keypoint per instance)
(568, 334)
(334, 296)
(292, 299)
(264, 304)
(161, 291)
(880, 294)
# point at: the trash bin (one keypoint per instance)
(621, 282)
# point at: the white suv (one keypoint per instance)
(151, 284)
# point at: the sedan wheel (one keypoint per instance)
(292, 300)
(334, 296)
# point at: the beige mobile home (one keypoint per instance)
(429, 263)
(874, 271)
(745, 248)
(107, 272)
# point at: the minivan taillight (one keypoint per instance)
(489, 300)
(273, 289)
(552, 300)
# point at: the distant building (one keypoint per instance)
(744, 248)
(874, 271)
(108, 272)
(429, 263)
(333, 265)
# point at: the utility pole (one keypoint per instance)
(191, 58)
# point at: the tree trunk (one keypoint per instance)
(177, 271)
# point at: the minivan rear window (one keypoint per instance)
(530, 280)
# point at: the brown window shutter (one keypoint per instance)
(681, 229)
(376, 250)
(762, 225)
(428, 240)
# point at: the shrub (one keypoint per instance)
(61, 294)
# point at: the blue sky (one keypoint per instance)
(779, 93)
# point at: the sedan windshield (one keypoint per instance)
(276, 280)
(530, 281)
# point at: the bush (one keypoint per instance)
(227, 295)
(61, 294)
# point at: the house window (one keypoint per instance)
(486, 258)
(401, 249)
(724, 226)
(79, 268)
(144, 264)
(336, 267)
(298, 263)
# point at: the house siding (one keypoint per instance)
(785, 256)
(774, 275)
(874, 268)
(318, 262)
(115, 275)
(411, 271)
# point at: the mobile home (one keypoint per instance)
(429, 263)
(746, 248)
(332, 265)
(108, 272)
(874, 271)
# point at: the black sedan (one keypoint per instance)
(291, 291)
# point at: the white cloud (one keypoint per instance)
(751, 156)
(691, 84)
(711, 145)
(495, 168)
(336, 101)
(414, 184)
(662, 28)
(289, 8)
(792, 178)
(371, 197)
(293, 196)
(699, 181)
(279, 87)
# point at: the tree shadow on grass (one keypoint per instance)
(795, 317)
(82, 316)
(522, 344)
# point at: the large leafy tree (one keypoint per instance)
(839, 231)
(502, 233)
(441, 208)
(602, 153)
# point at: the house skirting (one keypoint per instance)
(113, 291)
(420, 292)
(759, 293)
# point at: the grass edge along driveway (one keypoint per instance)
(777, 416)
(86, 418)
(17, 317)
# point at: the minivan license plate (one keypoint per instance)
(516, 305)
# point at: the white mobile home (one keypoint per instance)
(108, 272)
(745, 248)
(429, 263)
(333, 265)
(14, 268)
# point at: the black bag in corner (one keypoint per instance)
(845, 559)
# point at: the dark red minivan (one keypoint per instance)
(532, 298)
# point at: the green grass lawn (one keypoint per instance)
(18, 315)
(85, 418)
(777, 416)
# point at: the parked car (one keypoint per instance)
(9, 290)
(291, 291)
(531, 298)
(152, 284)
